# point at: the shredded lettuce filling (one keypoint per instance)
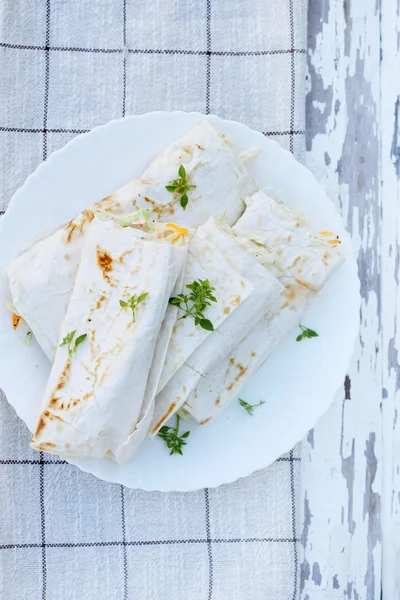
(250, 153)
(139, 217)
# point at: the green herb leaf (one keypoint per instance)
(174, 301)
(250, 407)
(133, 302)
(180, 186)
(306, 333)
(206, 324)
(142, 297)
(80, 339)
(171, 437)
(69, 338)
(194, 304)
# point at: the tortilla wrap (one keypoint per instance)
(265, 288)
(94, 398)
(308, 257)
(205, 261)
(42, 276)
(305, 260)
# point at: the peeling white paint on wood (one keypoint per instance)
(390, 77)
(351, 461)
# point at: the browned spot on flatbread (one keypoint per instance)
(104, 375)
(41, 424)
(199, 147)
(62, 381)
(77, 225)
(253, 354)
(67, 256)
(241, 371)
(88, 215)
(52, 417)
(161, 209)
(291, 292)
(236, 301)
(187, 149)
(296, 260)
(205, 421)
(165, 417)
(47, 445)
(92, 334)
(67, 445)
(105, 262)
(232, 361)
(70, 228)
(227, 310)
(125, 253)
(196, 166)
(100, 301)
(46, 415)
(218, 400)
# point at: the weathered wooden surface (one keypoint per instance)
(351, 461)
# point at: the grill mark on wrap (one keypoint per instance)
(47, 416)
(78, 224)
(62, 382)
(100, 301)
(105, 263)
(241, 372)
(164, 417)
(161, 209)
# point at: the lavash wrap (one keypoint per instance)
(42, 276)
(303, 260)
(95, 401)
(217, 250)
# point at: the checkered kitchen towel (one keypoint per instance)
(66, 66)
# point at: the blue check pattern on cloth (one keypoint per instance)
(67, 66)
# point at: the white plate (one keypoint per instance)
(298, 383)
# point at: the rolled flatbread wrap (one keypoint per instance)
(97, 386)
(259, 290)
(304, 261)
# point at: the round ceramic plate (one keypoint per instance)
(297, 383)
